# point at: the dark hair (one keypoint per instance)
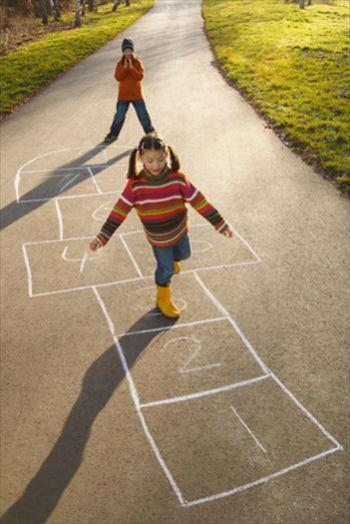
(152, 142)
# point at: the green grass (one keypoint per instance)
(32, 66)
(293, 65)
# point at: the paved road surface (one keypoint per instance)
(238, 412)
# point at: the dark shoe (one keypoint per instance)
(108, 139)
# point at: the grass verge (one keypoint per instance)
(34, 65)
(293, 65)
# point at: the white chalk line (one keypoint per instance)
(83, 262)
(105, 312)
(64, 197)
(69, 182)
(81, 148)
(102, 206)
(113, 282)
(140, 307)
(88, 286)
(246, 486)
(261, 480)
(200, 368)
(60, 219)
(63, 255)
(208, 226)
(222, 310)
(200, 394)
(116, 282)
(246, 243)
(20, 171)
(29, 272)
(58, 173)
(135, 264)
(61, 171)
(82, 259)
(222, 266)
(56, 240)
(197, 342)
(174, 326)
(135, 398)
(91, 173)
(245, 425)
(223, 494)
(203, 249)
(307, 413)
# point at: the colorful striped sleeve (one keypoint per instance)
(118, 214)
(198, 201)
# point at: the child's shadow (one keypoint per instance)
(99, 383)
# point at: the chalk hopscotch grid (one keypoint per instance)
(122, 237)
(62, 171)
(267, 374)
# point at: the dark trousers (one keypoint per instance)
(165, 257)
(141, 111)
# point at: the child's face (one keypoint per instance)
(127, 53)
(153, 161)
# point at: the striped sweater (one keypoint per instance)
(160, 203)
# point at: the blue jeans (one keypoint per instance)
(165, 257)
(141, 111)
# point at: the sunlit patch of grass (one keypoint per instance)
(32, 66)
(293, 64)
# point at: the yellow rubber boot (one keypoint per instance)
(177, 267)
(165, 304)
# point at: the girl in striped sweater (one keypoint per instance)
(160, 193)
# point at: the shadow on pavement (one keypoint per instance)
(44, 491)
(17, 210)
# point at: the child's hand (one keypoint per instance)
(95, 244)
(228, 232)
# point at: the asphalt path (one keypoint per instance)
(239, 411)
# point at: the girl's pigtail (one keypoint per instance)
(132, 171)
(175, 162)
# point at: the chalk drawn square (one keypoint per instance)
(187, 360)
(80, 217)
(70, 265)
(239, 439)
(138, 299)
(209, 250)
(39, 186)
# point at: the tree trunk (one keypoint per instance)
(127, 3)
(116, 4)
(37, 7)
(91, 4)
(77, 22)
(49, 7)
(44, 16)
(301, 4)
(56, 9)
(83, 2)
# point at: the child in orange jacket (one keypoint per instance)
(129, 72)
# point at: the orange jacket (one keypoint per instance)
(129, 79)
